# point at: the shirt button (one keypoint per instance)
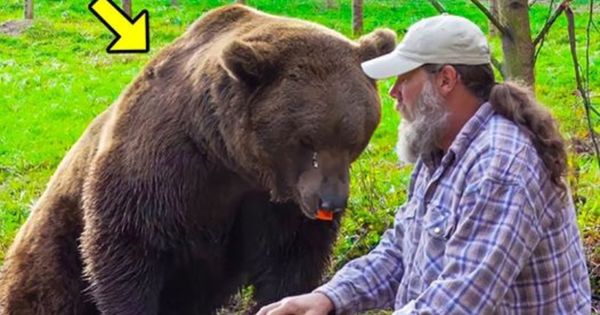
(437, 231)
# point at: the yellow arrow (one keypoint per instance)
(133, 36)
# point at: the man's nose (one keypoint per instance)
(395, 92)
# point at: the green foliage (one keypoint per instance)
(56, 77)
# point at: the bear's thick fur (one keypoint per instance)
(204, 176)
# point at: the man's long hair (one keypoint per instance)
(518, 104)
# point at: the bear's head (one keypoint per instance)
(304, 110)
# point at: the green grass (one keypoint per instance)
(56, 77)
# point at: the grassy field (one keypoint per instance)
(56, 77)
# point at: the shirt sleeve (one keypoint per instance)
(496, 233)
(370, 281)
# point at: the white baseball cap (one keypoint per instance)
(443, 39)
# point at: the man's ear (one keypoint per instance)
(249, 62)
(447, 79)
(376, 43)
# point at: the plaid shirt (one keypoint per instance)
(483, 232)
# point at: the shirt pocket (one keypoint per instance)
(438, 222)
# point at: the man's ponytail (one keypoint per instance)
(518, 104)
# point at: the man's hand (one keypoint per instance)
(306, 304)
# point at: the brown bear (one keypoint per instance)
(204, 176)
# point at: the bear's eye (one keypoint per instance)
(294, 76)
(296, 72)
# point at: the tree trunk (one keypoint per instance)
(517, 45)
(174, 3)
(127, 7)
(330, 4)
(241, 1)
(494, 9)
(29, 9)
(357, 17)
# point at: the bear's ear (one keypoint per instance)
(249, 62)
(376, 43)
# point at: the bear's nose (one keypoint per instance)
(333, 203)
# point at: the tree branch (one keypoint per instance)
(580, 88)
(498, 65)
(587, 47)
(549, 23)
(540, 45)
(438, 6)
(492, 18)
(587, 55)
(531, 3)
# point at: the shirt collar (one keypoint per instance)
(471, 130)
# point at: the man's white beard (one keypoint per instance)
(423, 134)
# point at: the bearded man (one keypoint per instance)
(489, 226)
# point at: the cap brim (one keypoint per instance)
(388, 65)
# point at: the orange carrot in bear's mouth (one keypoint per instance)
(324, 215)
